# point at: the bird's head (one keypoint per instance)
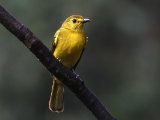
(75, 22)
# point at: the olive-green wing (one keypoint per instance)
(54, 41)
(80, 55)
(78, 59)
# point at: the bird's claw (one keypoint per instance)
(77, 76)
(59, 59)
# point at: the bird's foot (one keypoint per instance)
(58, 59)
(77, 76)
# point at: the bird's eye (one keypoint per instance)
(74, 20)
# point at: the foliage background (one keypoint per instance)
(121, 63)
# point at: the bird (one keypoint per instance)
(67, 46)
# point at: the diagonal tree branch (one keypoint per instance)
(70, 79)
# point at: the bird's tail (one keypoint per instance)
(56, 101)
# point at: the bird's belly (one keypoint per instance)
(70, 52)
(71, 57)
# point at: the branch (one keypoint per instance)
(70, 79)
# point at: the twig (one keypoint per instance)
(70, 79)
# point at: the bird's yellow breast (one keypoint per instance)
(69, 47)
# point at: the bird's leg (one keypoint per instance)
(73, 70)
(58, 59)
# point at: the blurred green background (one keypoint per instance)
(120, 65)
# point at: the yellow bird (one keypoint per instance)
(67, 46)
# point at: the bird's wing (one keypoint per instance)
(54, 41)
(80, 55)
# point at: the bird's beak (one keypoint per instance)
(86, 20)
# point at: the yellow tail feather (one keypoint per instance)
(56, 102)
